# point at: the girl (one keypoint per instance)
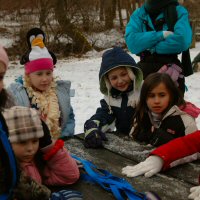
(166, 156)
(120, 83)
(38, 156)
(38, 89)
(14, 184)
(158, 119)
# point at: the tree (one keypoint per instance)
(80, 42)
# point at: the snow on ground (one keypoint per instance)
(83, 74)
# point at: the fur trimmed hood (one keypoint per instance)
(117, 57)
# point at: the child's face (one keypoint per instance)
(158, 99)
(2, 73)
(26, 150)
(119, 79)
(41, 80)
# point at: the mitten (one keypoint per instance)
(152, 165)
(159, 137)
(46, 139)
(194, 193)
(66, 195)
(94, 137)
(175, 72)
(167, 33)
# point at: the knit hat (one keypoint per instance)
(23, 123)
(3, 56)
(39, 57)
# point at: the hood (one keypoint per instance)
(117, 57)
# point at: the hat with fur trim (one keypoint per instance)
(23, 123)
(3, 56)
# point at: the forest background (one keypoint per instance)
(74, 27)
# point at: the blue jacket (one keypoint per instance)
(63, 93)
(117, 108)
(139, 39)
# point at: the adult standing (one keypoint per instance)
(157, 32)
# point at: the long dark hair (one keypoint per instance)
(153, 80)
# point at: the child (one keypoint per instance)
(38, 89)
(26, 131)
(14, 184)
(120, 82)
(167, 156)
(157, 32)
(158, 119)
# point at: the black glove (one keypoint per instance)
(160, 137)
(66, 195)
(46, 139)
(94, 139)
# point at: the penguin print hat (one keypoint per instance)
(38, 57)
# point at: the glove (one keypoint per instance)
(93, 136)
(46, 139)
(173, 70)
(167, 33)
(66, 195)
(149, 167)
(194, 193)
(94, 139)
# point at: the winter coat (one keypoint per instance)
(147, 41)
(136, 33)
(14, 183)
(181, 150)
(117, 108)
(175, 123)
(60, 168)
(19, 93)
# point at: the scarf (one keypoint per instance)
(154, 7)
(47, 104)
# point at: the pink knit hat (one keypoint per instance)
(3, 56)
(39, 58)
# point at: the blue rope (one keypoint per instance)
(120, 188)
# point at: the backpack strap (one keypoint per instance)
(120, 188)
(12, 163)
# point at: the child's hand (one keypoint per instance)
(95, 139)
(149, 167)
(195, 193)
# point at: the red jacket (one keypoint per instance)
(181, 150)
(61, 168)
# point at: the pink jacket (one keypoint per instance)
(180, 150)
(61, 168)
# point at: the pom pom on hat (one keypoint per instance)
(3, 56)
(23, 123)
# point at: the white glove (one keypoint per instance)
(194, 193)
(167, 33)
(149, 167)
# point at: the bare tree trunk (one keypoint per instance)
(101, 13)
(80, 42)
(114, 8)
(108, 14)
(120, 14)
